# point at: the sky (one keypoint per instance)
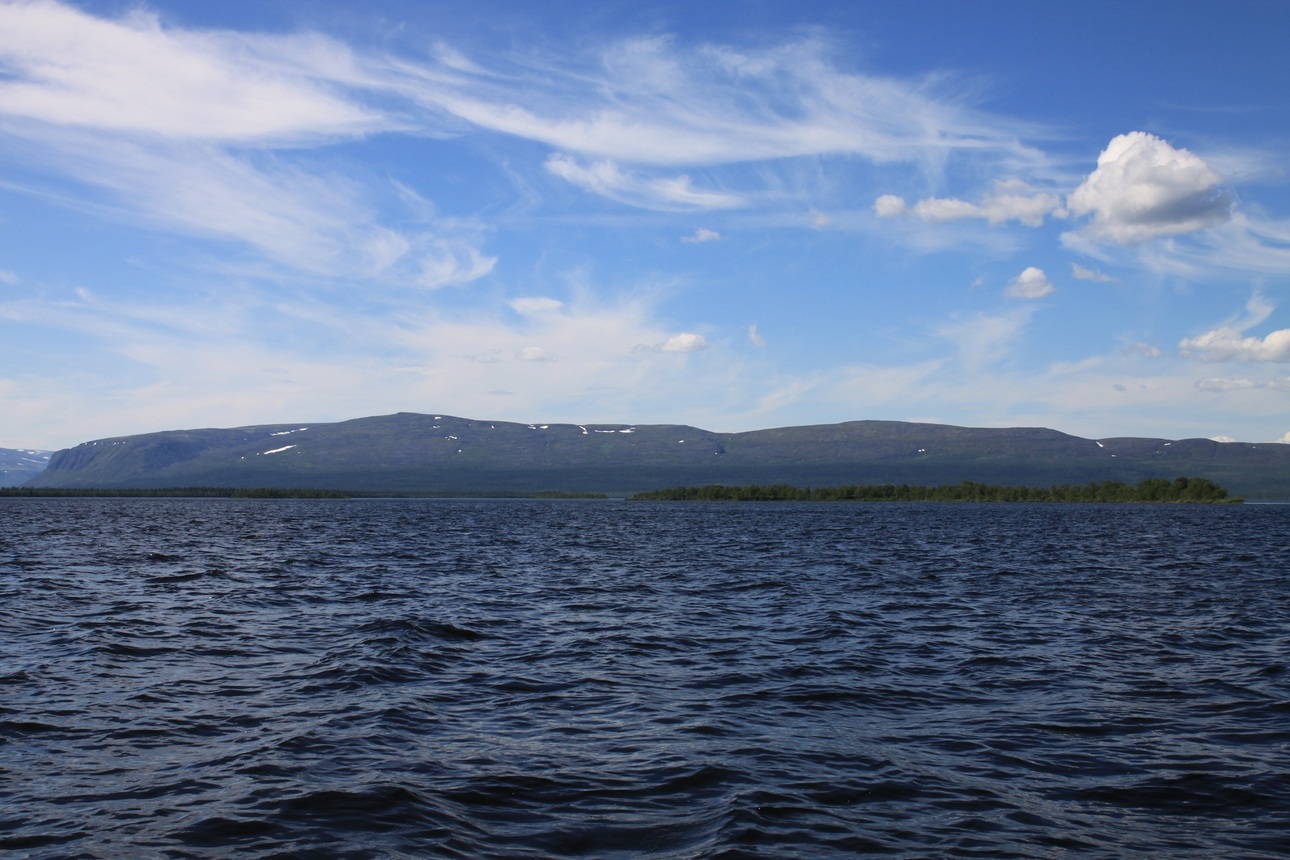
(734, 215)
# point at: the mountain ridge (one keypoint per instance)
(422, 452)
(19, 465)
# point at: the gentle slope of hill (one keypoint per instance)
(437, 453)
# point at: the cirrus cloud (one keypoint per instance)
(666, 193)
(132, 75)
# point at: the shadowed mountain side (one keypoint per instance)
(411, 452)
(19, 466)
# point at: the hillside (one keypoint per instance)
(17, 466)
(411, 452)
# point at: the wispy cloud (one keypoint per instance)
(670, 193)
(134, 76)
(701, 235)
(652, 101)
(983, 339)
(197, 132)
(1083, 274)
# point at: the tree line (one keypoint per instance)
(172, 492)
(1191, 490)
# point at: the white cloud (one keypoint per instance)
(1010, 200)
(1030, 284)
(1145, 349)
(890, 206)
(162, 365)
(1144, 188)
(673, 193)
(1223, 439)
(195, 132)
(1228, 342)
(684, 342)
(8, 277)
(1083, 274)
(1285, 439)
(702, 234)
(133, 75)
(754, 336)
(650, 101)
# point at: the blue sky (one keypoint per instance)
(733, 215)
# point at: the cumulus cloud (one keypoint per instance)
(702, 234)
(1083, 274)
(890, 206)
(1010, 200)
(1229, 342)
(1030, 284)
(1144, 188)
(754, 337)
(684, 342)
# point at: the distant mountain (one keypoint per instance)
(17, 466)
(438, 453)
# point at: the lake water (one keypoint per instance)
(412, 678)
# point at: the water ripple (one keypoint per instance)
(209, 678)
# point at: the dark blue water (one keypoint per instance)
(221, 678)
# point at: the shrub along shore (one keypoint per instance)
(1188, 490)
(1179, 490)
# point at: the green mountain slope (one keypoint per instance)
(437, 453)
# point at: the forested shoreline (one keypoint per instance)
(270, 493)
(1179, 490)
